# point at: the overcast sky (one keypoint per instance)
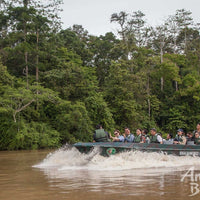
(94, 15)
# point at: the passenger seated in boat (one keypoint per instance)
(118, 137)
(155, 138)
(128, 136)
(169, 139)
(180, 138)
(190, 138)
(197, 138)
(197, 130)
(145, 137)
(138, 137)
(100, 135)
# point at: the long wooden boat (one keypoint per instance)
(111, 148)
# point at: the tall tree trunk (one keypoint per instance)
(161, 60)
(37, 70)
(26, 68)
(174, 50)
(199, 65)
(185, 46)
(148, 93)
(162, 83)
(25, 2)
(176, 85)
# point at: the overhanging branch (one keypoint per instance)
(22, 108)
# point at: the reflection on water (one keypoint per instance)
(68, 174)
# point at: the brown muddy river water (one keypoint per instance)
(67, 174)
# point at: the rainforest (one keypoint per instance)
(57, 84)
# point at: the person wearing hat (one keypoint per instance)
(180, 138)
(155, 138)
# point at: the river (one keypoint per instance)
(67, 174)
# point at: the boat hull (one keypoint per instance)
(111, 148)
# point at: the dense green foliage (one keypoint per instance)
(57, 85)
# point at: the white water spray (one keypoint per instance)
(65, 159)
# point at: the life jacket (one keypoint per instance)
(197, 141)
(100, 136)
(153, 139)
(178, 138)
(138, 138)
(146, 136)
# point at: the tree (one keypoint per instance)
(184, 20)
(104, 50)
(193, 50)
(19, 127)
(99, 111)
(73, 122)
(15, 100)
(121, 19)
(125, 32)
(120, 96)
(27, 19)
(76, 40)
(137, 26)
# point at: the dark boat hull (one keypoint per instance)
(111, 148)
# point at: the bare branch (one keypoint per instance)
(22, 108)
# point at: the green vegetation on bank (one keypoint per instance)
(56, 85)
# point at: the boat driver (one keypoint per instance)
(100, 135)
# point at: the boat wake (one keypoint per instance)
(72, 159)
(68, 169)
(123, 173)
